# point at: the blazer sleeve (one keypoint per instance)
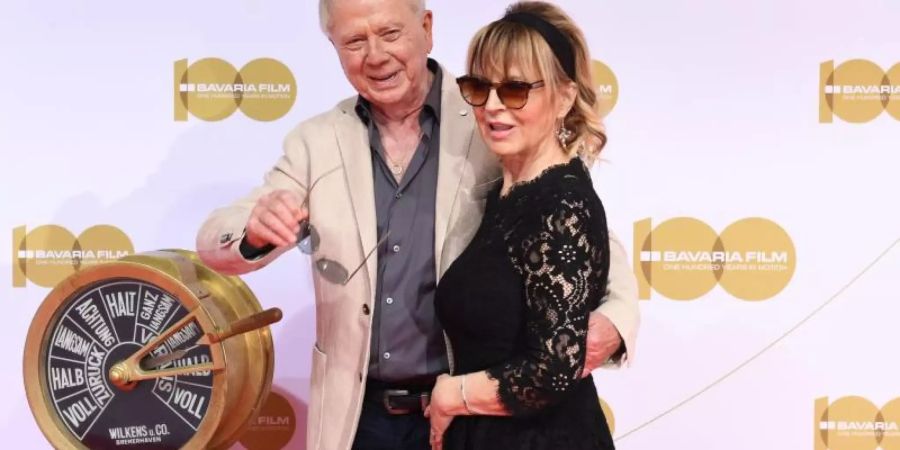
(621, 304)
(219, 238)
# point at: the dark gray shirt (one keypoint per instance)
(407, 340)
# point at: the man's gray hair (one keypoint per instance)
(418, 7)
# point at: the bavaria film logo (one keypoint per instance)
(49, 254)
(858, 91)
(855, 423)
(212, 89)
(684, 258)
(274, 427)
(607, 87)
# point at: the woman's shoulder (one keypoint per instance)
(561, 191)
(559, 180)
(569, 189)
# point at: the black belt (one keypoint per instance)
(398, 398)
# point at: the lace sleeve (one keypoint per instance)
(564, 264)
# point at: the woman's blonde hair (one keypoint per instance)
(501, 44)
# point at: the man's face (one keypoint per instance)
(383, 46)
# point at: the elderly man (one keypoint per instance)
(393, 182)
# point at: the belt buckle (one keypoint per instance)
(387, 401)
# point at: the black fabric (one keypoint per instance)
(378, 430)
(378, 391)
(411, 403)
(560, 45)
(516, 303)
(251, 253)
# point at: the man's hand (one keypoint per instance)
(603, 340)
(275, 220)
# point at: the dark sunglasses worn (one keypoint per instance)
(512, 93)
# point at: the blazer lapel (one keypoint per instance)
(457, 129)
(353, 142)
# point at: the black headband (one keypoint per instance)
(562, 47)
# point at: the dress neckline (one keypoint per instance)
(523, 187)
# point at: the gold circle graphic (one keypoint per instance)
(50, 259)
(205, 91)
(892, 78)
(853, 104)
(101, 244)
(852, 423)
(672, 273)
(276, 89)
(890, 414)
(768, 259)
(274, 427)
(607, 86)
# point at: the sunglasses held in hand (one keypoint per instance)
(308, 242)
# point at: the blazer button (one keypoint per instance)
(366, 310)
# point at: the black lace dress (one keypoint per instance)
(516, 303)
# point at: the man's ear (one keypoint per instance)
(427, 23)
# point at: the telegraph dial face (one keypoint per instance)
(80, 333)
(107, 323)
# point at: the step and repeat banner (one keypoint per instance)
(752, 174)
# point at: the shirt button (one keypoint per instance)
(366, 310)
(389, 301)
(387, 355)
(397, 248)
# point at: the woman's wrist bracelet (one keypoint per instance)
(462, 389)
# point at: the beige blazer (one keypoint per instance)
(342, 208)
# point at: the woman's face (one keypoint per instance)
(517, 132)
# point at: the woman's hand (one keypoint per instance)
(446, 400)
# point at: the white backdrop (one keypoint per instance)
(717, 119)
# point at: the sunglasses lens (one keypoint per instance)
(474, 90)
(513, 94)
(307, 238)
(332, 271)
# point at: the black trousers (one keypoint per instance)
(379, 430)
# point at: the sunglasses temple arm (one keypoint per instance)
(314, 183)
(381, 241)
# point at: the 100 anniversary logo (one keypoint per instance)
(212, 89)
(855, 423)
(48, 254)
(858, 91)
(684, 258)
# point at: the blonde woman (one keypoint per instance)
(515, 304)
